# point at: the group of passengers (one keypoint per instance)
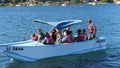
(56, 36)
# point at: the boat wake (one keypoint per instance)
(4, 60)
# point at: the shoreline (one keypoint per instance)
(42, 4)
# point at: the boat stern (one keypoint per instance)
(102, 41)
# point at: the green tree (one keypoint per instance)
(107, 1)
(16, 1)
(73, 1)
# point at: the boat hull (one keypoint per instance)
(33, 51)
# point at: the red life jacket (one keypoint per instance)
(49, 40)
(69, 39)
(81, 37)
(35, 38)
(91, 28)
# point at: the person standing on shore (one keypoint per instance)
(91, 30)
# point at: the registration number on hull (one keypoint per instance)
(15, 48)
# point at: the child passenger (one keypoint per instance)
(34, 37)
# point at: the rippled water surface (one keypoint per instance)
(16, 25)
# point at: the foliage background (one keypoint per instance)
(72, 1)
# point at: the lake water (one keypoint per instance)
(16, 24)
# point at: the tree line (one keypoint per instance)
(72, 1)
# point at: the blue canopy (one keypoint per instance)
(60, 25)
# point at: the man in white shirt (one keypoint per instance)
(91, 30)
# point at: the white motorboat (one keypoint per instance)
(63, 5)
(33, 51)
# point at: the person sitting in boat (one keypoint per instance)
(48, 39)
(34, 37)
(91, 30)
(68, 29)
(78, 34)
(57, 31)
(54, 35)
(66, 37)
(40, 35)
(59, 38)
(71, 36)
(81, 35)
(51, 39)
(70, 33)
(85, 34)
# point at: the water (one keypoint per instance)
(16, 25)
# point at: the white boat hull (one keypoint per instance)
(33, 51)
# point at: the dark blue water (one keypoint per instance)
(16, 25)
